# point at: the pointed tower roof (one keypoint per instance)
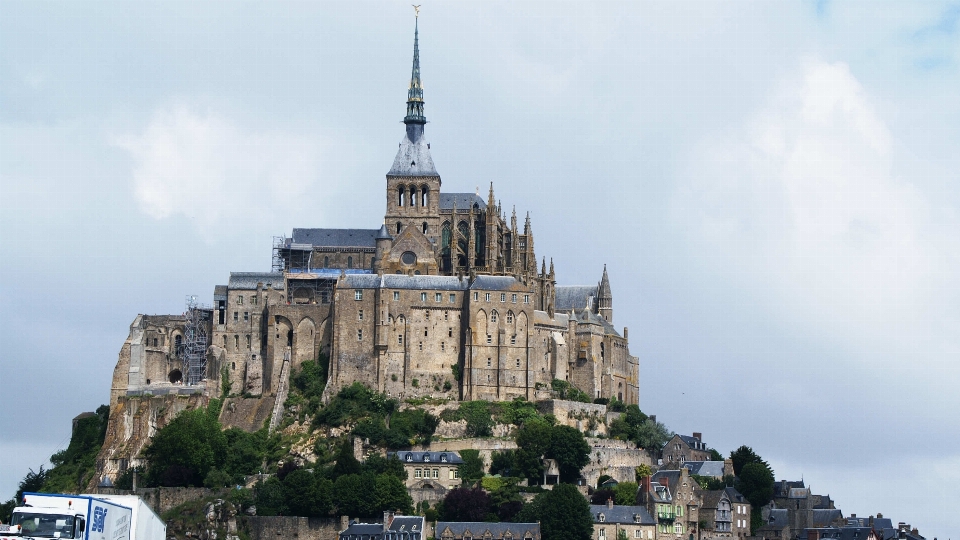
(413, 157)
(604, 291)
(382, 234)
(415, 92)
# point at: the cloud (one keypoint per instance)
(800, 201)
(225, 179)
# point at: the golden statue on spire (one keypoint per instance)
(416, 9)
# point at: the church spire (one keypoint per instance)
(414, 115)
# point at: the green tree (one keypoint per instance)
(391, 494)
(571, 451)
(502, 463)
(31, 483)
(743, 455)
(472, 469)
(307, 494)
(477, 415)
(354, 494)
(533, 442)
(346, 462)
(642, 471)
(183, 452)
(622, 534)
(392, 466)
(564, 514)
(756, 484)
(270, 497)
(625, 493)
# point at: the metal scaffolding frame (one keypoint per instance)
(196, 340)
(279, 244)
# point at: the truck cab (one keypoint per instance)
(38, 522)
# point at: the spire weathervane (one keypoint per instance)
(415, 115)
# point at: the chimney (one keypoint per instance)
(698, 436)
(645, 485)
(609, 502)
(663, 481)
(387, 520)
(344, 523)
(653, 418)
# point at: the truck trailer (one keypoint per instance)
(82, 517)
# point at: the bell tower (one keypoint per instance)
(413, 184)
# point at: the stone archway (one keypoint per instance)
(304, 343)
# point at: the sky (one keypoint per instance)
(772, 186)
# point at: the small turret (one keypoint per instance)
(605, 298)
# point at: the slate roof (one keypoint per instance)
(735, 496)
(559, 319)
(705, 468)
(573, 297)
(783, 487)
(220, 292)
(464, 201)
(402, 281)
(826, 517)
(420, 457)
(477, 529)
(249, 280)
(496, 283)
(401, 528)
(839, 533)
(413, 159)
(710, 499)
(778, 518)
(366, 238)
(621, 514)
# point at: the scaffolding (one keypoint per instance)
(279, 245)
(196, 340)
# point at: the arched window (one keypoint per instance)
(349, 262)
(413, 195)
(424, 197)
(509, 317)
(424, 227)
(177, 343)
(401, 193)
(493, 316)
(399, 226)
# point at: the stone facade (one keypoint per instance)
(445, 299)
(683, 448)
(609, 520)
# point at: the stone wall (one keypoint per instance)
(589, 418)
(133, 422)
(486, 446)
(290, 527)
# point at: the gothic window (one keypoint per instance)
(509, 317)
(493, 316)
(424, 196)
(401, 192)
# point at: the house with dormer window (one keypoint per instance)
(609, 519)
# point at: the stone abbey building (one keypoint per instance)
(445, 297)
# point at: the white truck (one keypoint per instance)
(83, 517)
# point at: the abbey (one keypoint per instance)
(443, 298)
